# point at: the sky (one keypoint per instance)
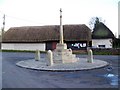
(46, 12)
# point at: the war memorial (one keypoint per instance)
(62, 59)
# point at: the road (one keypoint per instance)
(17, 77)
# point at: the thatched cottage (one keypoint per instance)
(46, 37)
(102, 36)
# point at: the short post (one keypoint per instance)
(70, 49)
(37, 55)
(90, 56)
(50, 58)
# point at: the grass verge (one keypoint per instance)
(21, 51)
(100, 52)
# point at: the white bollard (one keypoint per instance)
(90, 56)
(50, 58)
(37, 55)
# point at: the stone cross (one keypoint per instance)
(61, 28)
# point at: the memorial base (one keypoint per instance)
(63, 55)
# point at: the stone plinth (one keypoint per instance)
(60, 46)
(77, 66)
(63, 55)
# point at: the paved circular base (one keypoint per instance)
(81, 64)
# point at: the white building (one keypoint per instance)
(46, 37)
(102, 37)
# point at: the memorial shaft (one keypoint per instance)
(61, 28)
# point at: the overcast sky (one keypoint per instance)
(46, 12)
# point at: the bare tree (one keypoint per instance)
(95, 20)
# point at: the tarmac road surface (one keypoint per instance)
(17, 77)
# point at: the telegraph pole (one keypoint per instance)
(3, 24)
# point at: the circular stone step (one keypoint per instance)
(81, 64)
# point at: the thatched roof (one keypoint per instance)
(101, 31)
(47, 33)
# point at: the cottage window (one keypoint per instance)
(101, 46)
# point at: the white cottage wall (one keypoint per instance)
(24, 46)
(106, 42)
